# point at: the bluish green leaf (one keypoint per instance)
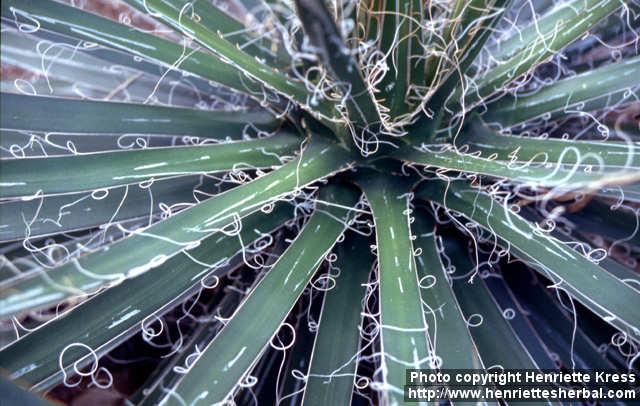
(335, 353)
(148, 248)
(112, 316)
(562, 178)
(75, 23)
(52, 114)
(232, 29)
(75, 173)
(450, 338)
(568, 269)
(588, 13)
(606, 155)
(49, 215)
(497, 342)
(592, 90)
(173, 12)
(222, 365)
(403, 330)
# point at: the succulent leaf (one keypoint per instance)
(294, 202)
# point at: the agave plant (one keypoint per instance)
(289, 203)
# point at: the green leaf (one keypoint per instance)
(556, 17)
(399, 32)
(66, 71)
(468, 20)
(222, 365)
(403, 330)
(75, 23)
(619, 271)
(450, 338)
(24, 143)
(620, 226)
(172, 12)
(112, 316)
(561, 178)
(335, 353)
(599, 154)
(74, 173)
(166, 376)
(295, 362)
(54, 87)
(424, 129)
(61, 214)
(23, 51)
(232, 29)
(497, 342)
(166, 83)
(52, 114)
(620, 223)
(146, 249)
(564, 338)
(323, 34)
(516, 318)
(587, 14)
(568, 269)
(598, 88)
